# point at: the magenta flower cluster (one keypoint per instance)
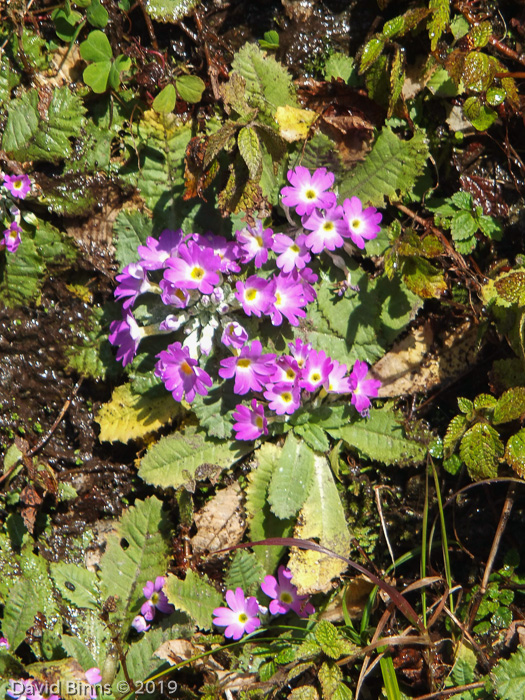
(155, 600)
(242, 614)
(196, 277)
(18, 187)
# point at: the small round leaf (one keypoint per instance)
(189, 88)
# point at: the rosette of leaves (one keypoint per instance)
(477, 432)
(464, 221)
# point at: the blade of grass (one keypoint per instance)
(389, 678)
(444, 540)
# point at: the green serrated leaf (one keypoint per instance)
(481, 116)
(330, 676)
(314, 436)
(371, 52)
(262, 523)
(170, 10)
(19, 612)
(381, 437)
(439, 21)
(390, 170)
(397, 80)
(190, 88)
(268, 83)
(174, 460)
(161, 141)
(292, 478)
(250, 150)
(214, 411)
(423, 278)
(79, 651)
(321, 518)
(508, 676)
(81, 588)
(481, 449)
(23, 274)
(138, 553)
(329, 639)
(483, 401)
(34, 134)
(339, 65)
(131, 228)
(304, 692)
(194, 596)
(510, 406)
(466, 406)
(128, 416)
(245, 572)
(515, 452)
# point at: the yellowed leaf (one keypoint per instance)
(421, 361)
(294, 123)
(129, 416)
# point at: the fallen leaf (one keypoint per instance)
(221, 522)
(422, 361)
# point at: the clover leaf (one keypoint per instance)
(103, 70)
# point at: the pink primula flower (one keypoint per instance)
(283, 398)
(156, 599)
(362, 225)
(286, 370)
(154, 254)
(195, 268)
(292, 253)
(254, 242)
(234, 335)
(255, 295)
(362, 388)
(132, 282)
(308, 191)
(327, 229)
(18, 185)
(127, 334)
(181, 374)
(289, 300)
(240, 617)
(12, 237)
(251, 368)
(337, 382)
(251, 422)
(284, 594)
(316, 370)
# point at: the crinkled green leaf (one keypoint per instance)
(331, 641)
(510, 405)
(32, 133)
(170, 10)
(481, 116)
(195, 596)
(381, 437)
(439, 21)
(22, 274)
(214, 411)
(79, 651)
(314, 436)
(131, 228)
(76, 584)
(371, 52)
(339, 65)
(390, 170)
(250, 150)
(8, 79)
(138, 553)
(330, 676)
(161, 141)
(262, 523)
(397, 80)
(515, 452)
(19, 612)
(268, 83)
(508, 676)
(321, 518)
(292, 478)
(245, 572)
(481, 449)
(174, 460)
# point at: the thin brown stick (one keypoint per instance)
(62, 413)
(449, 692)
(504, 518)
